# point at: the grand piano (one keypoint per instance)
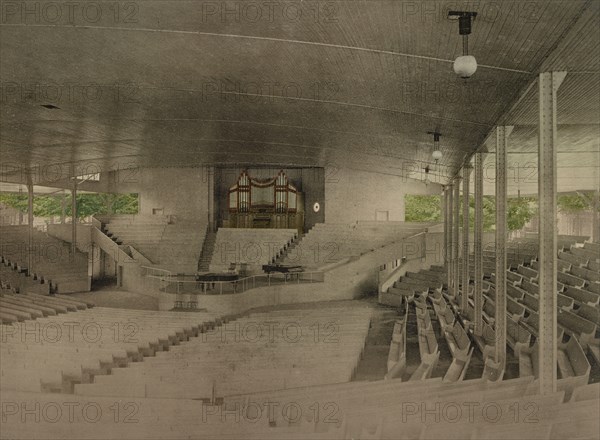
(282, 268)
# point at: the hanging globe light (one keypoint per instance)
(466, 65)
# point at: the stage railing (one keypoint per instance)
(155, 278)
(189, 285)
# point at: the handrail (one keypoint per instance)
(168, 273)
(104, 241)
(240, 285)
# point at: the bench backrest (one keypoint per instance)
(576, 323)
(461, 337)
(577, 358)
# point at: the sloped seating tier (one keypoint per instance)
(54, 352)
(372, 408)
(253, 247)
(21, 307)
(328, 243)
(175, 246)
(53, 266)
(363, 410)
(262, 351)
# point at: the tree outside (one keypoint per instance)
(87, 204)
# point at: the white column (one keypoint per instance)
(455, 237)
(478, 244)
(449, 266)
(548, 82)
(30, 250)
(502, 134)
(465, 237)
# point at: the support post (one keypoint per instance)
(448, 238)
(548, 82)
(455, 238)
(29, 224)
(596, 216)
(210, 176)
(63, 207)
(445, 208)
(478, 244)
(465, 237)
(74, 218)
(502, 134)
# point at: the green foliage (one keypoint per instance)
(573, 203)
(87, 204)
(422, 208)
(427, 208)
(520, 211)
(17, 201)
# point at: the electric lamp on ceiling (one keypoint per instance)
(466, 65)
(436, 154)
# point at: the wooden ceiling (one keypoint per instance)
(354, 84)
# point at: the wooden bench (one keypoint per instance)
(592, 287)
(514, 277)
(528, 359)
(427, 342)
(487, 337)
(492, 371)
(590, 313)
(574, 260)
(527, 272)
(584, 253)
(516, 334)
(457, 339)
(458, 368)
(428, 364)
(398, 343)
(578, 326)
(570, 280)
(583, 296)
(444, 313)
(586, 274)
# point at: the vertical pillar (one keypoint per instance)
(445, 214)
(478, 244)
(74, 218)
(548, 82)
(455, 235)
(596, 216)
(210, 176)
(63, 207)
(502, 134)
(465, 237)
(29, 224)
(448, 237)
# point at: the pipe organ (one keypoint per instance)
(265, 203)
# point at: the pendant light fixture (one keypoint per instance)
(465, 65)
